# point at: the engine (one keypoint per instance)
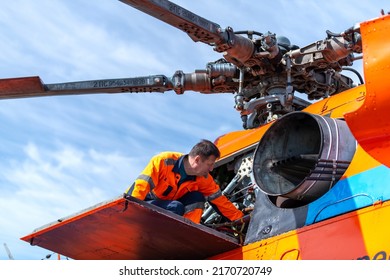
(299, 159)
(302, 156)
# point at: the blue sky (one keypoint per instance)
(60, 155)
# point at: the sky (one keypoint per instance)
(60, 155)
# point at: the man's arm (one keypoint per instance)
(145, 182)
(214, 195)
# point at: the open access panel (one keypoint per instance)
(130, 229)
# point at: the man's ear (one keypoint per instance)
(197, 159)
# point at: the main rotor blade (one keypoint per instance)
(198, 28)
(33, 86)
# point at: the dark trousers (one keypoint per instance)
(179, 206)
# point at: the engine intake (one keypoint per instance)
(302, 156)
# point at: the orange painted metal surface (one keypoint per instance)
(338, 104)
(370, 124)
(234, 142)
(361, 162)
(361, 234)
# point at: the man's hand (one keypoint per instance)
(247, 210)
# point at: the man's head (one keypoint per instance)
(202, 158)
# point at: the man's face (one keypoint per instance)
(203, 167)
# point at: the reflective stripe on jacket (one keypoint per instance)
(160, 179)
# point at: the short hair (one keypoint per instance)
(205, 149)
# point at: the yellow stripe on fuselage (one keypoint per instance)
(361, 234)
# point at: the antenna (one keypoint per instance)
(8, 252)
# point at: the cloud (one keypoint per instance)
(47, 184)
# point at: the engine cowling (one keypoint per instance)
(302, 156)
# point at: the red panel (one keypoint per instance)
(142, 231)
(337, 239)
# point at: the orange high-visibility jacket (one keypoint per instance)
(160, 180)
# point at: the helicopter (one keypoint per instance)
(245, 143)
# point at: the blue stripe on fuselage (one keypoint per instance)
(352, 193)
